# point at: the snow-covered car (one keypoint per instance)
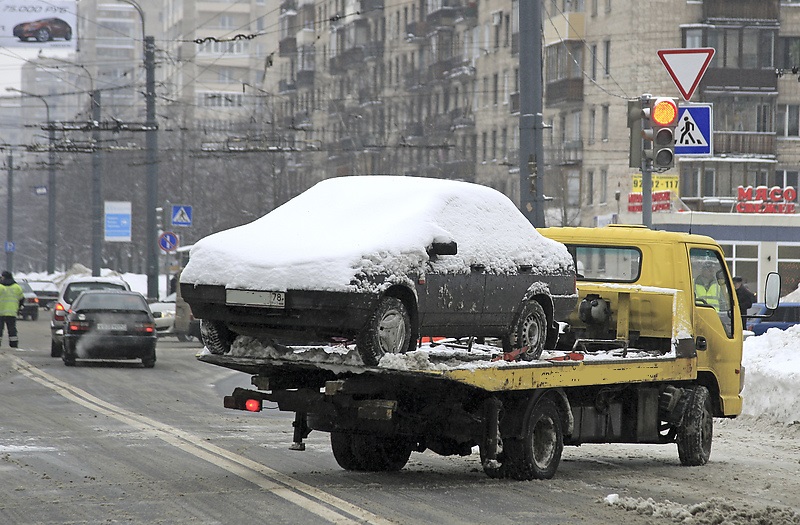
(383, 261)
(165, 313)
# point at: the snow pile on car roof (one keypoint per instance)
(345, 229)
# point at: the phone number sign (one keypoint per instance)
(660, 183)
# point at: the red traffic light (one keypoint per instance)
(664, 112)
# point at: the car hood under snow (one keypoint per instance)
(344, 230)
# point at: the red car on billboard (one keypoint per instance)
(43, 30)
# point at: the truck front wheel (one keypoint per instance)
(696, 430)
(538, 453)
(388, 331)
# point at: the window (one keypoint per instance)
(743, 113)
(604, 123)
(607, 263)
(495, 89)
(788, 52)
(592, 124)
(788, 120)
(590, 187)
(603, 186)
(784, 178)
(594, 61)
(742, 260)
(736, 47)
(607, 57)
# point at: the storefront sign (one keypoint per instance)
(662, 201)
(762, 199)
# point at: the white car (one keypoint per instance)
(164, 313)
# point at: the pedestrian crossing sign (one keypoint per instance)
(181, 215)
(694, 133)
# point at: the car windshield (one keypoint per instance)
(25, 287)
(75, 289)
(111, 301)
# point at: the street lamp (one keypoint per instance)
(97, 177)
(51, 183)
(151, 145)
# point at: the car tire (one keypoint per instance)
(216, 336)
(68, 35)
(388, 331)
(381, 453)
(530, 331)
(69, 359)
(55, 349)
(43, 35)
(343, 453)
(696, 431)
(150, 361)
(34, 316)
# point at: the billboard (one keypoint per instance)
(38, 24)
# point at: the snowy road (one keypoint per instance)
(118, 443)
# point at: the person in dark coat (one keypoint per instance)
(745, 296)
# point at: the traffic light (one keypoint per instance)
(635, 125)
(660, 119)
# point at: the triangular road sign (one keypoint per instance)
(686, 67)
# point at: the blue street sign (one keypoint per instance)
(117, 221)
(168, 241)
(181, 215)
(694, 135)
(10, 247)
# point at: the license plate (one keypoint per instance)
(111, 327)
(256, 298)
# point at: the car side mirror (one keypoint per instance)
(772, 291)
(442, 248)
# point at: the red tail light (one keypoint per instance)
(78, 326)
(253, 405)
(147, 328)
(59, 313)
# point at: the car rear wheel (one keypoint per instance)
(216, 336)
(530, 330)
(43, 35)
(149, 362)
(69, 359)
(388, 331)
(55, 349)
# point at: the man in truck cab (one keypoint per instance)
(707, 289)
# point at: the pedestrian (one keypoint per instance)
(11, 297)
(745, 296)
(706, 287)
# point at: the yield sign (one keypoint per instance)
(686, 67)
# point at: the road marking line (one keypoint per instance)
(281, 485)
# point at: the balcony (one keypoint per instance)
(287, 47)
(439, 124)
(564, 91)
(570, 153)
(373, 51)
(444, 15)
(415, 80)
(462, 118)
(414, 129)
(461, 169)
(346, 59)
(416, 31)
(286, 86)
(370, 7)
(288, 5)
(732, 80)
(335, 106)
(438, 71)
(305, 78)
(741, 10)
(462, 70)
(744, 143)
(368, 97)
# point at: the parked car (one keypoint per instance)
(787, 315)
(110, 324)
(69, 291)
(46, 291)
(166, 314)
(43, 30)
(383, 261)
(30, 303)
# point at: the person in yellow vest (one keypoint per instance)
(706, 287)
(11, 297)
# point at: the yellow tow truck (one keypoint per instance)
(650, 354)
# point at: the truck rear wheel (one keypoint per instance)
(216, 336)
(696, 432)
(538, 453)
(388, 331)
(342, 447)
(530, 330)
(382, 453)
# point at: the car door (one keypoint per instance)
(451, 304)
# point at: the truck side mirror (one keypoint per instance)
(442, 248)
(772, 291)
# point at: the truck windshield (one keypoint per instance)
(607, 263)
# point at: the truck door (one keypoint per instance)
(717, 323)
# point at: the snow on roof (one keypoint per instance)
(342, 227)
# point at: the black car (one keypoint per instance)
(383, 261)
(109, 324)
(30, 302)
(43, 30)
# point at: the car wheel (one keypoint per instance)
(68, 35)
(216, 336)
(185, 338)
(150, 361)
(55, 349)
(34, 316)
(388, 331)
(530, 330)
(69, 359)
(43, 35)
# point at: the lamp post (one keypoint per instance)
(51, 183)
(151, 145)
(10, 213)
(97, 176)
